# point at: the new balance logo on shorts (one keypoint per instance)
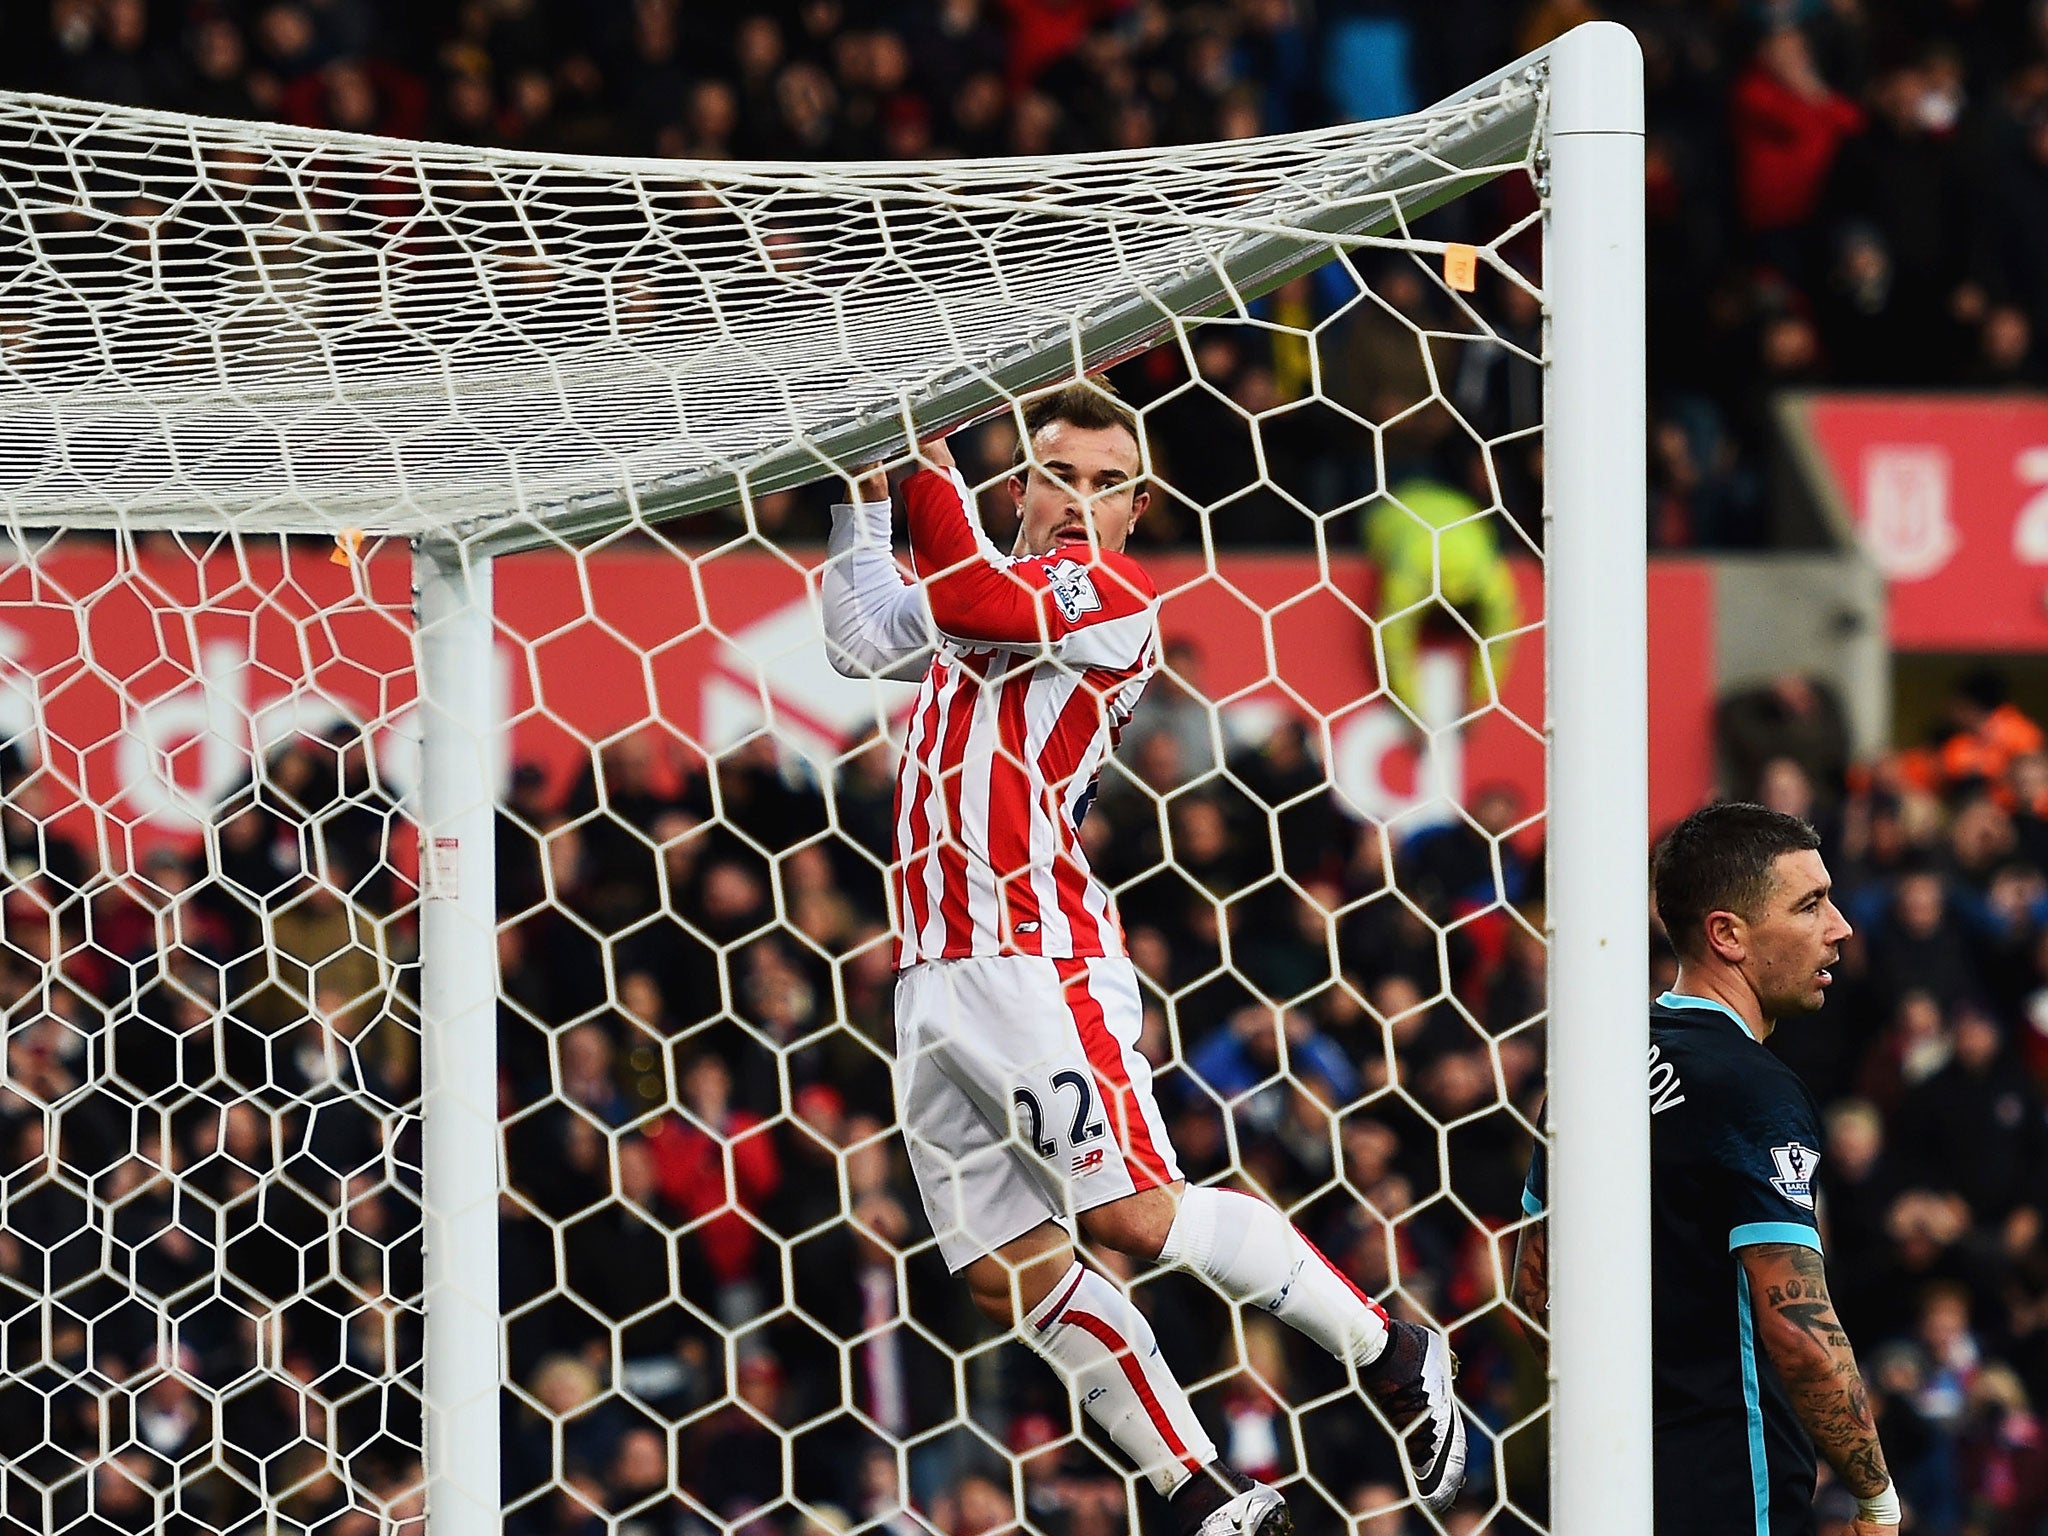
(1089, 1162)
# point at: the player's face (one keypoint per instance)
(1081, 489)
(1796, 937)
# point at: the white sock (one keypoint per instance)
(1104, 1347)
(1253, 1254)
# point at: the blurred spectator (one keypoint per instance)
(1921, 947)
(1244, 1064)
(1177, 709)
(1788, 123)
(1976, 1126)
(1793, 717)
(1987, 732)
(691, 1155)
(2004, 1454)
(1901, 193)
(741, 1467)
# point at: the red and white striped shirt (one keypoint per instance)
(1033, 667)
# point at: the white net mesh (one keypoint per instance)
(723, 1307)
(293, 329)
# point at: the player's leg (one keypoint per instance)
(1248, 1249)
(1254, 1255)
(1086, 1328)
(1251, 1253)
(970, 1035)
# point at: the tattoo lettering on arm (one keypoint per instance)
(1805, 1341)
(1532, 1286)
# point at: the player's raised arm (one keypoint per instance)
(876, 621)
(1069, 573)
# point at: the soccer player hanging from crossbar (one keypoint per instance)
(1026, 1104)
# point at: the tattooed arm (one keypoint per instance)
(1798, 1329)
(1532, 1287)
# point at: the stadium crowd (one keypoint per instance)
(694, 1045)
(208, 1070)
(1851, 192)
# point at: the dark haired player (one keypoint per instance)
(1751, 1368)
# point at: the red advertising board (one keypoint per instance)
(148, 685)
(1949, 494)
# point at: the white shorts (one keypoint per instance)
(1023, 1094)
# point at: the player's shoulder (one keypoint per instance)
(1125, 565)
(1699, 1025)
(1726, 1073)
(1106, 582)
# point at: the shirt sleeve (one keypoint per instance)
(1097, 610)
(1768, 1152)
(876, 621)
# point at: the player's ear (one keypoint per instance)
(1016, 484)
(1140, 500)
(1727, 937)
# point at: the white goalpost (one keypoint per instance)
(463, 1357)
(1599, 803)
(222, 344)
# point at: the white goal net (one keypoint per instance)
(609, 405)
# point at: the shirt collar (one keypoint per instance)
(1688, 1003)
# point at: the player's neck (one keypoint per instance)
(1727, 988)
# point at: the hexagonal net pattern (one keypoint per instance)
(723, 1301)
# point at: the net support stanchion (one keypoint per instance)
(458, 1038)
(1599, 808)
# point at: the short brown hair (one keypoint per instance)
(1090, 404)
(1719, 860)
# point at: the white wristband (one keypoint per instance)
(1881, 1508)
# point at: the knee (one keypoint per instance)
(999, 1310)
(1136, 1225)
(1122, 1231)
(1006, 1286)
(995, 1299)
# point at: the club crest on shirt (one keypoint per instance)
(1073, 589)
(1795, 1173)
